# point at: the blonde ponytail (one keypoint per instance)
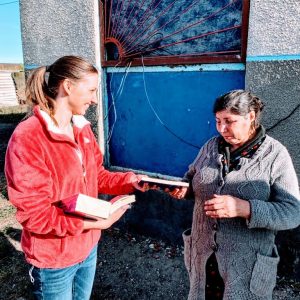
(37, 92)
(44, 82)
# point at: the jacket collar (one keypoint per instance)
(79, 122)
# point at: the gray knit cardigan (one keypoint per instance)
(245, 250)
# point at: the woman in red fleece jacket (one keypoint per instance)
(51, 156)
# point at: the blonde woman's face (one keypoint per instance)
(235, 129)
(83, 93)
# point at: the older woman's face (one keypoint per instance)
(235, 129)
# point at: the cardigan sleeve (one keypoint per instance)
(282, 211)
(29, 189)
(113, 183)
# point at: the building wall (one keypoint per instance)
(273, 67)
(57, 28)
(52, 29)
(274, 28)
(273, 72)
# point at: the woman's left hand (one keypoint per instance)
(226, 206)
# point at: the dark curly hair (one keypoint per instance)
(240, 102)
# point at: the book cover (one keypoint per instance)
(86, 206)
(162, 184)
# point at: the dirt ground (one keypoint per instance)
(130, 266)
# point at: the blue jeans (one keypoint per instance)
(71, 283)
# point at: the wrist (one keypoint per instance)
(246, 211)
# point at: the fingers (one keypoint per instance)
(216, 207)
(141, 177)
(178, 193)
(139, 187)
(214, 201)
(220, 213)
(226, 206)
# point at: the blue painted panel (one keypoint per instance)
(182, 101)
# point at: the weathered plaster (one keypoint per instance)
(274, 27)
(277, 83)
(51, 29)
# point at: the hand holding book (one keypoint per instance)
(102, 224)
(179, 193)
(176, 189)
(94, 208)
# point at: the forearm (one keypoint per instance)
(105, 223)
(51, 221)
(116, 183)
(274, 215)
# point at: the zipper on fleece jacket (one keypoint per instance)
(80, 156)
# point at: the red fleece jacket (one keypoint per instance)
(44, 166)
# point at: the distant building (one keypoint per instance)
(8, 93)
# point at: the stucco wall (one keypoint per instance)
(51, 29)
(274, 27)
(273, 66)
(277, 83)
(273, 72)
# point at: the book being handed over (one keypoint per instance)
(94, 208)
(162, 184)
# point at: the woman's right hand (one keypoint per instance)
(105, 223)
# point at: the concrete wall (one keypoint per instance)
(273, 72)
(274, 27)
(277, 83)
(52, 29)
(273, 67)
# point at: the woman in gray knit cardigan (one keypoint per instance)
(245, 189)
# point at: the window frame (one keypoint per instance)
(180, 60)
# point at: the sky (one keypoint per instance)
(10, 32)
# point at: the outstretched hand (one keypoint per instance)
(226, 206)
(136, 184)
